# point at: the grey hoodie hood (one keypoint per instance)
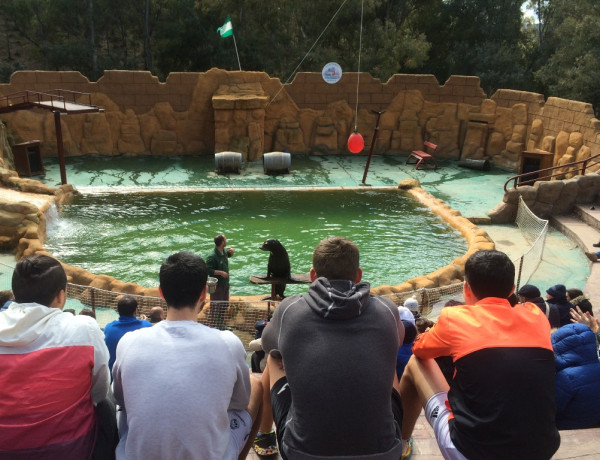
(338, 299)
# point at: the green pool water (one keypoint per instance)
(128, 235)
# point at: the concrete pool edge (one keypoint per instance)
(31, 240)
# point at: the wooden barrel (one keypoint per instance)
(228, 162)
(277, 162)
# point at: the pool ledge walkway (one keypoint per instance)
(574, 444)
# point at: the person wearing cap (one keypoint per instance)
(530, 293)
(557, 296)
(500, 402)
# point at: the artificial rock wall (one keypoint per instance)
(252, 113)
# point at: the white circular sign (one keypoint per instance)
(332, 72)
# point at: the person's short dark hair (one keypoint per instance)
(88, 312)
(422, 324)
(453, 303)
(5, 296)
(126, 305)
(39, 279)
(219, 239)
(156, 315)
(513, 300)
(490, 274)
(182, 279)
(69, 310)
(336, 258)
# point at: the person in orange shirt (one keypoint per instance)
(500, 403)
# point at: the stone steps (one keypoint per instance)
(583, 228)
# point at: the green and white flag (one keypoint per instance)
(226, 30)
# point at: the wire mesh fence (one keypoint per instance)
(241, 316)
(534, 230)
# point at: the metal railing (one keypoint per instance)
(575, 168)
(58, 98)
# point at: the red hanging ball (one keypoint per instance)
(356, 143)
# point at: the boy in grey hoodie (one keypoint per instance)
(332, 360)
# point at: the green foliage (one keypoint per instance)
(572, 70)
(487, 38)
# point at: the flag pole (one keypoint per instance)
(236, 51)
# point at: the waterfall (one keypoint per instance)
(6, 153)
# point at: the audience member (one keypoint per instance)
(410, 333)
(501, 403)
(557, 295)
(578, 298)
(423, 324)
(69, 310)
(335, 397)
(210, 404)
(6, 298)
(157, 314)
(530, 293)
(578, 316)
(412, 304)
(54, 370)
(127, 322)
(88, 312)
(577, 377)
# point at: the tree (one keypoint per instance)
(572, 70)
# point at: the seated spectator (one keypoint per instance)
(530, 293)
(500, 402)
(157, 314)
(127, 322)
(6, 298)
(578, 298)
(88, 312)
(69, 310)
(54, 370)
(577, 377)
(557, 295)
(210, 405)
(410, 333)
(335, 397)
(577, 316)
(423, 325)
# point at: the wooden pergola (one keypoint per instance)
(58, 101)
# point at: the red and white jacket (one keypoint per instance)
(53, 369)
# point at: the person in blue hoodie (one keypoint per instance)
(577, 377)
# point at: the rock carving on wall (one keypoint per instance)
(250, 112)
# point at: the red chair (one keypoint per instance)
(420, 156)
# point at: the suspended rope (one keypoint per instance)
(311, 48)
(362, 6)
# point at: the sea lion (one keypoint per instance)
(278, 265)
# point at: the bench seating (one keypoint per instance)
(420, 156)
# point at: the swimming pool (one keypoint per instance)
(128, 235)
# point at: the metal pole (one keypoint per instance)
(372, 146)
(59, 145)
